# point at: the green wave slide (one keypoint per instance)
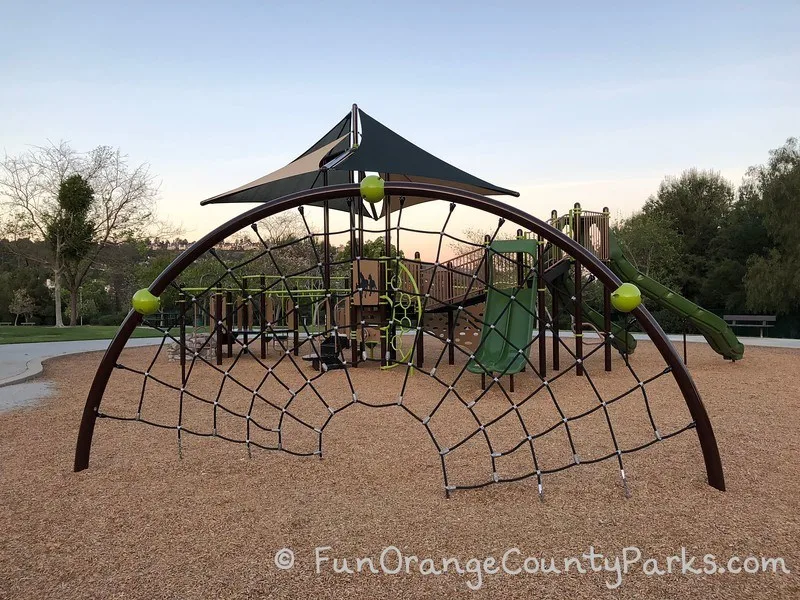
(513, 320)
(560, 283)
(717, 333)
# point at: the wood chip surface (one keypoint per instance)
(143, 523)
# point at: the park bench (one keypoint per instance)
(27, 323)
(760, 321)
(9, 323)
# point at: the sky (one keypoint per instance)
(590, 102)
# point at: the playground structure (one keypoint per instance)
(450, 286)
(494, 310)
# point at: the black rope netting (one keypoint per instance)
(284, 375)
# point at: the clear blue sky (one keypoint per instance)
(586, 102)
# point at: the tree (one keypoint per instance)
(283, 227)
(652, 245)
(21, 304)
(70, 232)
(122, 207)
(772, 280)
(696, 206)
(744, 235)
(375, 248)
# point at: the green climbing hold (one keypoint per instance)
(145, 303)
(372, 188)
(626, 297)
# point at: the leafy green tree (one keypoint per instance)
(653, 246)
(21, 304)
(19, 272)
(744, 235)
(70, 233)
(375, 248)
(695, 205)
(773, 279)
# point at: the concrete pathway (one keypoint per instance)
(20, 362)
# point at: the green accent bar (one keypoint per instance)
(518, 245)
(282, 293)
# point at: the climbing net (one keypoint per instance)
(524, 421)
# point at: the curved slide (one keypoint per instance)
(719, 336)
(507, 323)
(559, 281)
(498, 351)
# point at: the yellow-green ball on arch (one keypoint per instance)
(145, 303)
(626, 297)
(372, 189)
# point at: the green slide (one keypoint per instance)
(512, 319)
(560, 283)
(719, 336)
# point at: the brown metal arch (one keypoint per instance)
(705, 433)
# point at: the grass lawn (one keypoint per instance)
(34, 333)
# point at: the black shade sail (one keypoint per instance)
(331, 160)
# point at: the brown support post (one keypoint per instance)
(383, 318)
(487, 262)
(387, 223)
(420, 348)
(578, 298)
(387, 241)
(360, 252)
(295, 328)
(326, 266)
(421, 340)
(361, 228)
(685, 356)
(182, 324)
(245, 319)
(607, 327)
(555, 330)
(540, 317)
(218, 324)
(487, 273)
(450, 292)
(353, 309)
(421, 337)
(451, 333)
(263, 305)
(229, 321)
(511, 383)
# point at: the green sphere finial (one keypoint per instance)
(145, 303)
(626, 297)
(372, 189)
